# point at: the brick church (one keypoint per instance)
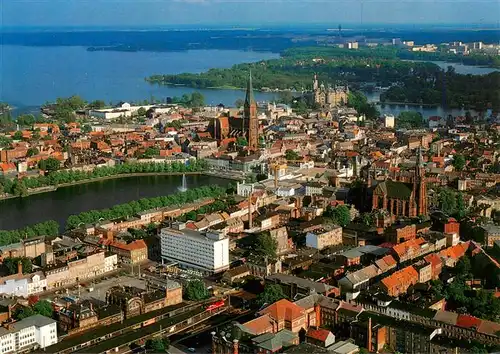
(405, 195)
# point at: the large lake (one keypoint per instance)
(66, 201)
(31, 75)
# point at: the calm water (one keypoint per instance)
(461, 68)
(31, 76)
(426, 111)
(58, 205)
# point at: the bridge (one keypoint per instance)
(117, 336)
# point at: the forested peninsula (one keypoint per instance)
(407, 81)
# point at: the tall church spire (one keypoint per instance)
(249, 99)
(250, 115)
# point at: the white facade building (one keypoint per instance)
(32, 332)
(110, 262)
(206, 251)
(37, 283)
(324, 238)
(389, 121)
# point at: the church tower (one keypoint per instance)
(315, 83)
(420, 186)
(250, 114)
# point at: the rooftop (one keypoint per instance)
(303, 283)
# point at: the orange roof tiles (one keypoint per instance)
(433, 259)
(401, 279)
(7, 166)
(319, 334)
(468, 321)
(260, 325)
(283, 310)
(135, 245)
(455, 252)
(404, 248)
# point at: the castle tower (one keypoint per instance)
(250, 113)
(315, 83)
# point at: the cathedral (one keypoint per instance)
(403, 196)
(329, 97)
(244, 125)
(250, 118)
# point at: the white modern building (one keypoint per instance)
(23, 285)
(32, 332)
(124, 110)
(206, 251)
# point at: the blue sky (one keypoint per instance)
(256, 12)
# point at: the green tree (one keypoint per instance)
(359, 102)
(292, 155)
(44, 308)
(49, 165)
(271, 294)
(195, 290)
(18, 135)
(461, 207)
(340, 215)
(239, 103)
(158, 345)
(11, 265)
(97, 104)
(32, 152)
(410, 120)
(141, 112)
(447, 201)
(459, 162)
(23, 312)
(266, 245)
(19, 188)
(26, 120)
(197, 100)
(5, 142)
(463, 267)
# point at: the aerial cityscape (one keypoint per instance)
(249, 177)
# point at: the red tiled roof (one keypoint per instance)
(405, 276)
(433, 259)
(135, 245)
(283, 310)
(260, 325)
(455, 252)
(7, 166)
(468, 321)
(319, 334)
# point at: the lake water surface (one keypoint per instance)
(58, 205)
(31, 75)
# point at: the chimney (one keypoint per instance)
(20, 268)
(109, 236)
(317, 310)
(369, 336)
(236, 346)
